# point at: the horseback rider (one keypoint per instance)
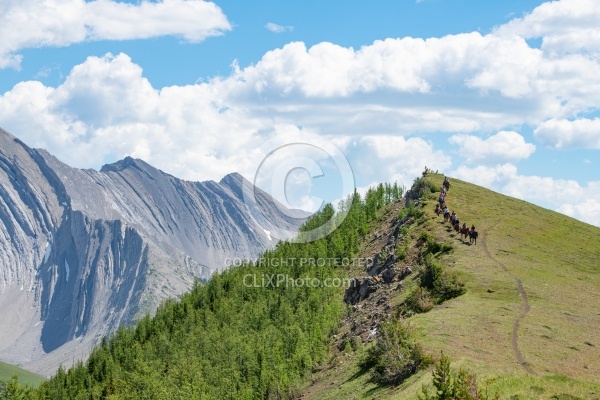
(473, 235)
(464, 225)
(453, 218)
(446, 183)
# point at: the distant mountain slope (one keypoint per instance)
(83, 251)
(528, 322)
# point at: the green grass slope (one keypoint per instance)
(29, 378)
(529, 323)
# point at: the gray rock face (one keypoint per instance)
(83, 251)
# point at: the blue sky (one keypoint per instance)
(505, 94)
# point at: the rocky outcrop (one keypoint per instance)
(83, 251)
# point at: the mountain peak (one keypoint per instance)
(233, 178)
(127, 162)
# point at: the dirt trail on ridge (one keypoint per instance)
(522, 295)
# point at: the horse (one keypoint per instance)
(464, 231)
(453, 219)
(446, 184)
(438, 210)
(456, 227)
(473, 236)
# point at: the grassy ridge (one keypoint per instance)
(554, 351)
(27, 377)
(555, 258)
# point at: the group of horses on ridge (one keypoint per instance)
(442, 209)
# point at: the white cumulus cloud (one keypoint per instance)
(563, 133)
(39, 23)
(565, 26)
(501, 147)
(381, 158)
(460, 83)
(106, 110)
(488, 176)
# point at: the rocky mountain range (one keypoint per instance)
(83, 252)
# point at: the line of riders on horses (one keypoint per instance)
(442, 209)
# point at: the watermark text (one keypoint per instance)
(287, 281)
(303, 262)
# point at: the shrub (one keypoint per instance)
(436, 285)
(401, 252)
(348, 346)
(431, 272)
(411, 211)
(418, 301)
(448, 286)
(423, 187)
(355, 343)
(396, 355)
(451, 385)
(434, 247)
(438, 248)
(443, 284)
